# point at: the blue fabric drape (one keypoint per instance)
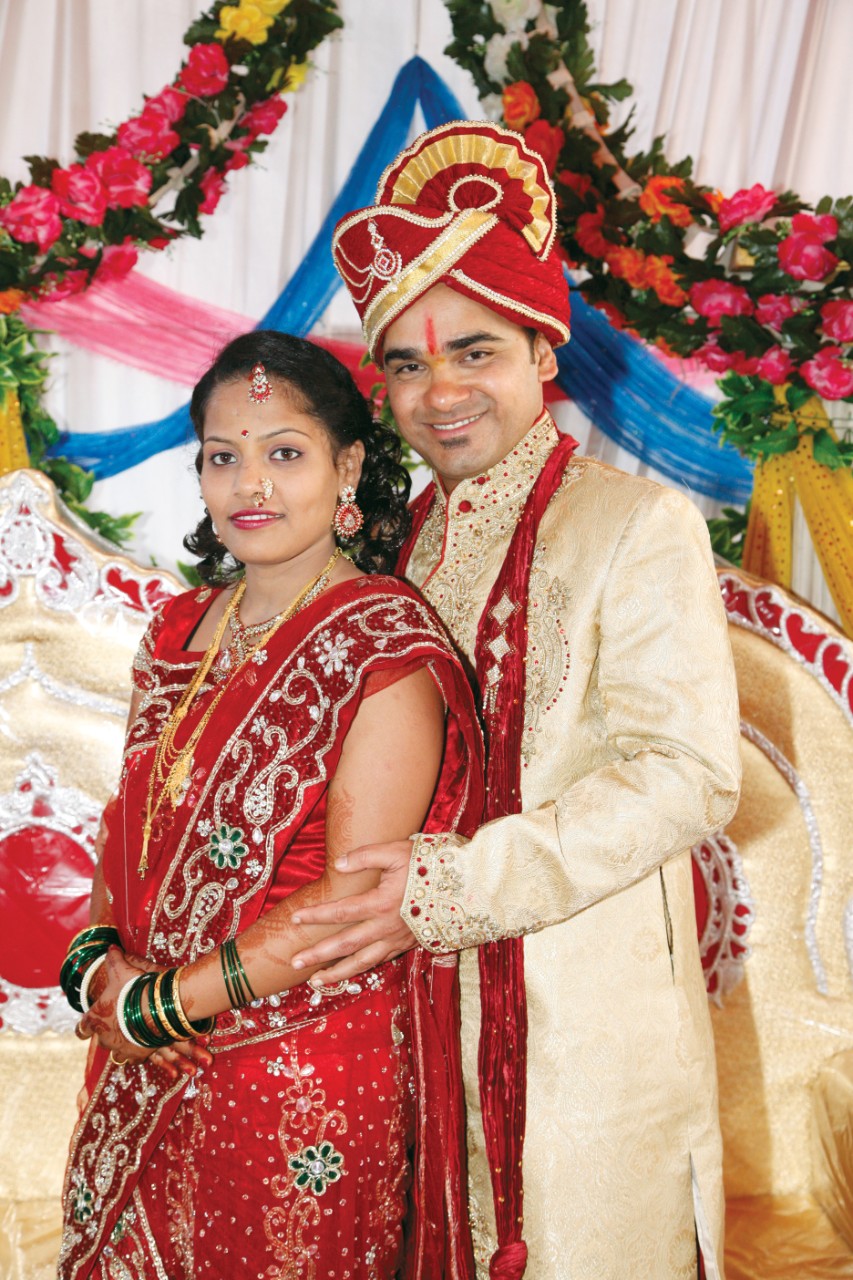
(620, 385)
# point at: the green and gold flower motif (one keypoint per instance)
(227, 847)
(317, 1167)
(83, 1204)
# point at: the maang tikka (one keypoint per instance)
(260, 387)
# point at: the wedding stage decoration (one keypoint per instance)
(144, 186)
(755, 285)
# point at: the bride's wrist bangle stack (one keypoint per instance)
(159, 1019)
(237, 984)
(86, 949)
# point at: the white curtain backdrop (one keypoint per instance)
(754, 90)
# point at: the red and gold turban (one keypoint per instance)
(470, 206)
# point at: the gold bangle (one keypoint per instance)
(165, 1025)
(179, 1008)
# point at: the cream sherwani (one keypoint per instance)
(630, 755)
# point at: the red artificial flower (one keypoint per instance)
(117, 261)
(149, 136)
(775, 366)
(660, 277)
(54, 288)
(170, 101)
(127, 182)
(714, 299)
(629, 265)
(264, 116)
(773, 309)
(748, 205)
(214, 186)
(580, 183)
(238, 158)
(837, 317)
(717, 360)
(206, 72)
(589, 235)
(829, 374)
(656, 203)
(547, 140)
(615, 316)
(822, 225)
(81, 194)
(520, 105)
(32, 217)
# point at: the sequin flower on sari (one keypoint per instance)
(227, 847)
(317, 1167)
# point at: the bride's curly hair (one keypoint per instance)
(319, 385)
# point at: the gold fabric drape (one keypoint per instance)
(13, 448)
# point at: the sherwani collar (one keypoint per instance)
(486, 499)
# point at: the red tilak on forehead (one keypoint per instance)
(432, 345)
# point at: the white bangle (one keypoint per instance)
(122, 1025)
(87, 978)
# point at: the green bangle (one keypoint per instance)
(243, 975)
(237, 984)
(134, 1018)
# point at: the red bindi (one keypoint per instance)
(432, 345)
(244, 434)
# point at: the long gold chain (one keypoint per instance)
(171, 767)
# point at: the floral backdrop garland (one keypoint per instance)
(757, 285)
(142, 187)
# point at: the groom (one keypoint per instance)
(586, 602)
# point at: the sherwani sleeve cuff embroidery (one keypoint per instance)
(433, 906)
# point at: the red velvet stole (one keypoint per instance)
(255, 779)
(500, 651)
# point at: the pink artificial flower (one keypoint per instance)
(264, 116)
(81, 194)
(775, 366)
(805, 257)
(117, 261)
(32, 217)
(822, 225)
(838, 320)
(829, 374)
(170, 101)
(773, 309)
(214, 186)
(149, 136)
(128, 183)
(752, 205)
(714, 299)
(206, 72)
(54, 288)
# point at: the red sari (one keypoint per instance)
(288, 1157)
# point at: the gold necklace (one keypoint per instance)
(171, 767)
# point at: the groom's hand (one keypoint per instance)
(376, 932)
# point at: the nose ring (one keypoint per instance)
(264, 493)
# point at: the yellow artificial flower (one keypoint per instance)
(272, 7)
(296, 73)
(247, 21)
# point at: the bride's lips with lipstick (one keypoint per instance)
(253, 519)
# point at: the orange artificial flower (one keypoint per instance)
(520, 105)
(713, 199)
(546, 139)
(660, 278)
(656, 203)
(10, 300)
(629, 265)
